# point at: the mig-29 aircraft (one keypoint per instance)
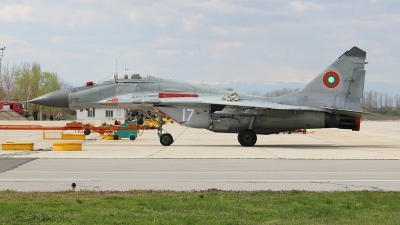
(330, 100)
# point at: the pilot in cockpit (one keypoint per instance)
(136, 76)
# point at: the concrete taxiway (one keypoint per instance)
(329, 159)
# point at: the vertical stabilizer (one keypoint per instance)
(340, 85)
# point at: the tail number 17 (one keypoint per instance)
(184, 114)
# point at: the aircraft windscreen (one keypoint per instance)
(107, 80)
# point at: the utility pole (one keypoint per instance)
(1, 55)
(1, 72)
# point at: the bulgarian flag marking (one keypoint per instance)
(331, 79)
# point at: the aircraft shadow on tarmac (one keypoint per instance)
(306, 146)
(327, 146)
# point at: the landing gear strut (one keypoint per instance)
(165, 139)
(247, 138)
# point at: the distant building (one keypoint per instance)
(102, 114)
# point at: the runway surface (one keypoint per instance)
(329, 159)
(200, 174)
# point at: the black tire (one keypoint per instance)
(86, 131)
(171, 138)
(132, 137)
(166, 139)
(247, 138)
(115, 137)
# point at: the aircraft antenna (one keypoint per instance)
(116, 71)
(116, 67)
(171, 76)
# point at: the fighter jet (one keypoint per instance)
(330, 100)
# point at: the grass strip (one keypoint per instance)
(199, 207)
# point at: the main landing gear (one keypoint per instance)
(166, 138)
(247, 138)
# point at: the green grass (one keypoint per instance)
(395, 114)
(205, 207)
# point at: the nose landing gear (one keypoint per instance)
(166, 138)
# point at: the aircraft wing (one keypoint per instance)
(254, 104)
(364, 115)
(248, 105)
(182, 109)
(260, 104)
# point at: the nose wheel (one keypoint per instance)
(166, 139)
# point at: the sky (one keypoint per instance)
(216, 41)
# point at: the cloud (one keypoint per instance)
(164, 41)
(64, 55)
(12, 40)
(189, 22)
(17, 13)
(240, 30)
(83, 1)
(214, 6)
(168, 52)
(302, 6)
(190, 54)
(50, 14)
(369, 23)
(133, 16)
(58, 39)
(82, 17)
(221, 31)
(224, 49)
(251, 30)
(222, 7)
(162, 20)
(230, 36)
(380, 51)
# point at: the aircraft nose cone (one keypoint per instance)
(56, 99)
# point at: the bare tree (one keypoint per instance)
(7, 83)
(380, 101)
(397, 101)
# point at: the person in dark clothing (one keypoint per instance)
(140, 120)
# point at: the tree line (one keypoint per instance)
(380, 101)
(21, 83)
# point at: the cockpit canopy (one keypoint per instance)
(127, 78)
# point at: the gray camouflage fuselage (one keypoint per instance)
(332, 99)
